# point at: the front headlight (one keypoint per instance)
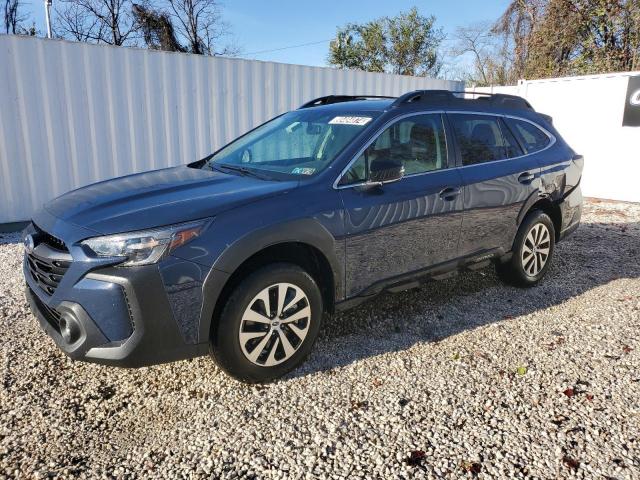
(147, 246)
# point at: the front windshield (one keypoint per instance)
(299, 143)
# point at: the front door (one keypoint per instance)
(408, 225)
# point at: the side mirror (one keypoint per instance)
(385, 170)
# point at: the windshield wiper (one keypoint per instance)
(242, 170)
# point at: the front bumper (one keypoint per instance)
(155, 336)
(116, 316)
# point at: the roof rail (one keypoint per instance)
(339, 98)
(423, 96)
(453, 97)
(500, 99)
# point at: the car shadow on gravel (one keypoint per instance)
(595, 255)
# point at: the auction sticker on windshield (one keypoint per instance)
(350, 121)
(303, 171)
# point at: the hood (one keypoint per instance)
(161, 197)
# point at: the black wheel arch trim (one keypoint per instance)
(534, 198)
(305, 231)
(553, 199)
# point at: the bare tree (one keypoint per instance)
(201, 25)
(76, 23)
(96, 21)
(12, 17)
(492, 62)
(475, 40)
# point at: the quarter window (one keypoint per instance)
(482, 139)
(357, 173)
(532, 138)
(418, 142)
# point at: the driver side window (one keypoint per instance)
(418, 142)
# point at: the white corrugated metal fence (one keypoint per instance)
(73, 113)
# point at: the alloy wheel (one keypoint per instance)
(274, 324)
(536, 248)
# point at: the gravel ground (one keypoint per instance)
(458, 379)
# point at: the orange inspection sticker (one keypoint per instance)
(350, 121)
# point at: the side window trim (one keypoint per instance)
(452, 154)
(448, 145)
(551, 136)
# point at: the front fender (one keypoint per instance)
(307, 231)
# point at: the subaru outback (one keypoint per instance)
(242, 253)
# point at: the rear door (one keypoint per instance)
(497, 177)
(407, 225)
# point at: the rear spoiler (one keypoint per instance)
(548, 118)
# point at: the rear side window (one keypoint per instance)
(532, 138)
(481, 138)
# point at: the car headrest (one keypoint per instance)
(482, 133)
(422, 134)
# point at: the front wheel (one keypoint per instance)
(532, 251)
(269, 323)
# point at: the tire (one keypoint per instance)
(271, 345)
(521, 270)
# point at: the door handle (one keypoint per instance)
(526, 178)
(449, 193)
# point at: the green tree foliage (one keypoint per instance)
(406, 44)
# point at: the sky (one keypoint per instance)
(260, 25)
(267, 25)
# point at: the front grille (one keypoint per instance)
(50, 314)
(47, 272)
(46, 238)
(48, 261)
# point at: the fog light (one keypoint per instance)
(69, 328)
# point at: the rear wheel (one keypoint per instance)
(532, 251)
(268, 324)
